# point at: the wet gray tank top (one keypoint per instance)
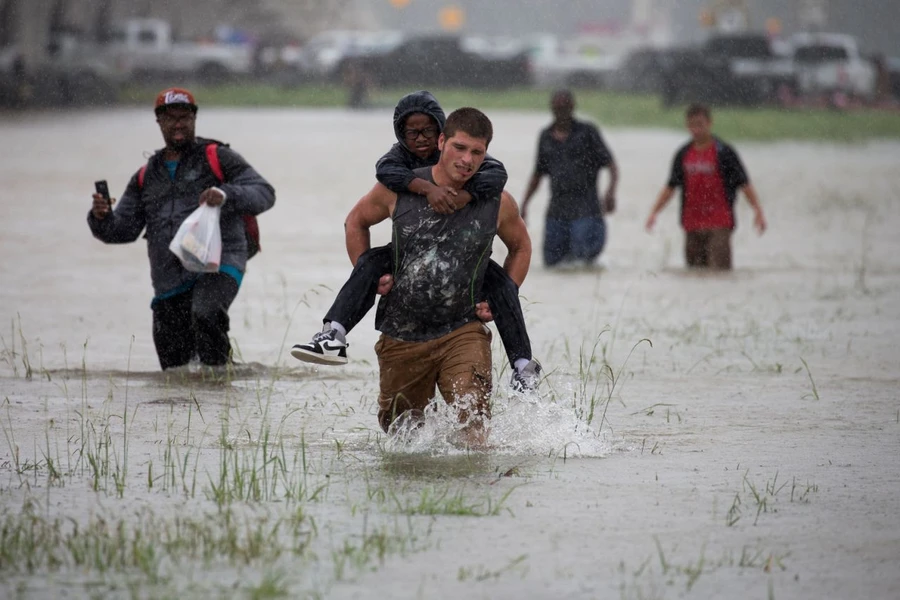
(439, 264)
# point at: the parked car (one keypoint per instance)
(892, 64)
(493, 46)
(11, 76)
(736, 68)
(832, 62)
(440, 61)
(581, 62)
(146, 49)
(325, 53)
(640, 72)
(74, 73)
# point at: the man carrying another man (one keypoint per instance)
(418, 121)
(431, 336)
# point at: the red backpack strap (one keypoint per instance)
(141, 174)
(212, 157)
(251, 227)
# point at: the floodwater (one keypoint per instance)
(742, 442)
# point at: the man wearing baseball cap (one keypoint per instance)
(173, 97)
(190, 310)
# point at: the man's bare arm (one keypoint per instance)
(533, 184)
(513, 233)
(759, 220)
(664, 196)
(373, 208)
(610, 197)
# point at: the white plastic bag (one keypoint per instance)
(198, 242)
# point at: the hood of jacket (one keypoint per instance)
(416, 102)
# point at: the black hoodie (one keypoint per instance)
(394, 170)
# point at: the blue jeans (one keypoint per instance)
(580, 239)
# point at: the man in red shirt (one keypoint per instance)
(709, 173)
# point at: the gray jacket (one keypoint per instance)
(160, 205)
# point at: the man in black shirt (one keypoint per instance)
(572, 152)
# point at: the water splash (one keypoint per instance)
(522, 425)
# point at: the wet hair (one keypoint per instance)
(563, 94)
(470, 121)
(698, 110)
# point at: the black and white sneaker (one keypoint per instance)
(527, 378)
(328, 347)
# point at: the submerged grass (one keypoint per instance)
(761, 499)
(245, 495)
(446, 501)
(10, 356)
(812, 382)
(664, 569)
(374, 545)
(248, 495)
(597, 380)
(148, 544)
(483, 573)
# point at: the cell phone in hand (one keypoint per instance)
(103, 189)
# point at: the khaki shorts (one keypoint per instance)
(458, 364)
(708, 248)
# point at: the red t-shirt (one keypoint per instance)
(705, 203)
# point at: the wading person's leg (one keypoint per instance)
(212, 296)
(173, 335)
(718, 249)
(588, 238)
(695, 245)
(465, 379)
(407, 375)
(557, 243)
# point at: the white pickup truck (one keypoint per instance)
(146, 48)
(831, 62)
(582, 62)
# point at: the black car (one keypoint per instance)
(439, 61)
(728, 69)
